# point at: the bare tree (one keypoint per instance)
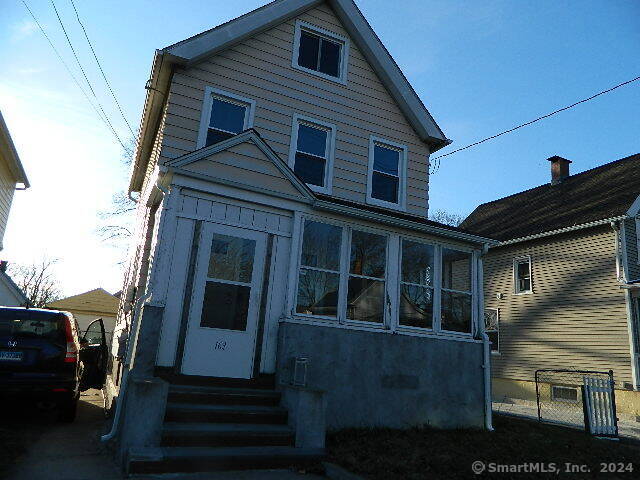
(442, 216)
(37, 281)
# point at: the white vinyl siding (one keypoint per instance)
(260, 68)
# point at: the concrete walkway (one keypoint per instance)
(626, 427)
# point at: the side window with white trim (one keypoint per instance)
(311, 155)
(387, 165)
(522, 275)
(224, 115)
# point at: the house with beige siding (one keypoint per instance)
(562, 288)
(285, 279)
(12, 178)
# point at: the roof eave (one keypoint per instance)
(8, 150)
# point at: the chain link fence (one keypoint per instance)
(577, 398)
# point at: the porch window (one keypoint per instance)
(311, 155)
(417, 284)
(319, 277)
(223, 116)
(522, 275)
(366, 289)
(456, 291)
(385, 182)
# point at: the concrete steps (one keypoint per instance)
(222, 424)
(206, 459)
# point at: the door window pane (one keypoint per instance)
(456, 312)
(318, 293)
(456, 270)
(365, 300)
(368, 254)
(321, 245)
(417, 263)
(225, 306)
(231, 258)
(416, 306)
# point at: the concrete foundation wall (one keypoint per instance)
(377, 379)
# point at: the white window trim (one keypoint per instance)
(402, 173)
(392, 284)
(497, 310)
(321, 32)
(209, 94)
(515, 275)
(330, 152)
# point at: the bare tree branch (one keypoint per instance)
(442, 216)
(37, 281)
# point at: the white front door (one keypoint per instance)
(225, 304)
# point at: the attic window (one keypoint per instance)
(320, 52)
(223, 116)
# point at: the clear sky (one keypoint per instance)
(480, 67)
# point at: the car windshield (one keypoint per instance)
(32, 324)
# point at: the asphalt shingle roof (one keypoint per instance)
(597, 194)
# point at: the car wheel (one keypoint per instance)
(68, 410)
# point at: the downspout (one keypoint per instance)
(486, 345)
(135, 328)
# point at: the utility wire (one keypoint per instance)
(437, 165)
(106, 117)
(95, 56)
(66, 66)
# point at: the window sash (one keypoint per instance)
(398, 179)
(392, 283)
(520, 281)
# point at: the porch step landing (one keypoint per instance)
(218, 424)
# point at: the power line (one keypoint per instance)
(101, 69)
(106, 117)
(66, 66)
(437, 165)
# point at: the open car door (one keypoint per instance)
(93, 355)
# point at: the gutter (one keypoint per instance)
(563, 230)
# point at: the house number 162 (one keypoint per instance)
(220, 345)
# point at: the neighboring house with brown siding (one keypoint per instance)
(12, 178)
(283, 244)
(564, 283)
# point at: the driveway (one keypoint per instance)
(50, 450)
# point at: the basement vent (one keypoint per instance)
(564, 394)
(300, 372)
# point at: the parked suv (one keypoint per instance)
(44, 358)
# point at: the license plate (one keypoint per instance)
(10, 356)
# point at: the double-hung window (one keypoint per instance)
(352, 289)
(417, 284)
(367, 267)
(320, 52)
(312, 150)
(386, 176)
(223, 116)
(319, 276)
(456, 297)
(522, 275)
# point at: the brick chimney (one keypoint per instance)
(559, 169)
